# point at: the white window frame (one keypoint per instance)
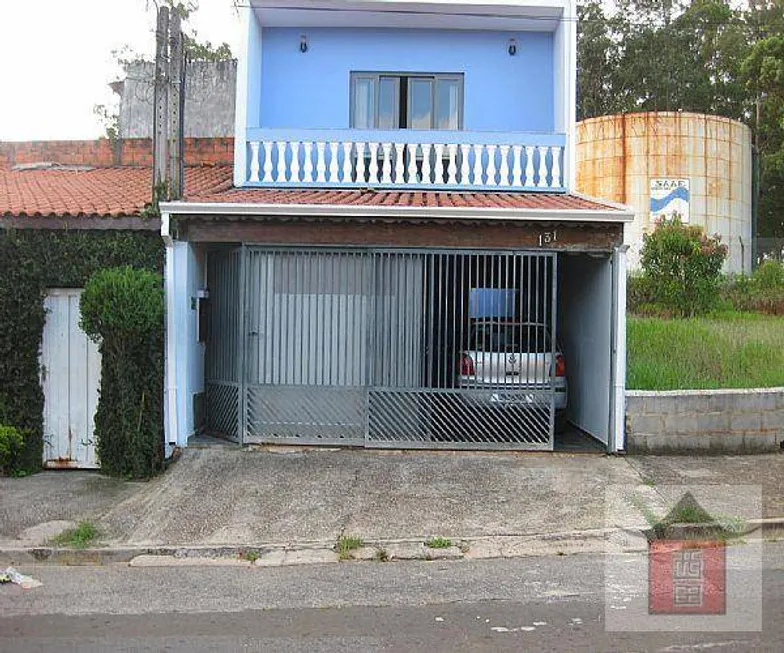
(376, 77)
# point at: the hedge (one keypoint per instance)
(122, 310)
(30, 262)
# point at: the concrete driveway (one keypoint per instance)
(230, 495)
(225, 495)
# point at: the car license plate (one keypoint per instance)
(511, 398)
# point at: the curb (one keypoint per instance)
(322, 552)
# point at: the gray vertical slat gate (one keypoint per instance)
(371, 347)
(223, 355)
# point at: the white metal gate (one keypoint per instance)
(396, 348)
(70, 377)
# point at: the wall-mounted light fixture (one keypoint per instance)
(512, 47)
(303, 44)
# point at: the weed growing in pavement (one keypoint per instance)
(346, 544)
(81, 537)
(251, 555)
(438, 543)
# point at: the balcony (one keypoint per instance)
(405, 160)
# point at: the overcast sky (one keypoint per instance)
(57, 59)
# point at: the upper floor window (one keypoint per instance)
(407, 101)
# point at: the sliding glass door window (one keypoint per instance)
(408, 101)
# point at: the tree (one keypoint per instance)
(597, 57)
(763, 71)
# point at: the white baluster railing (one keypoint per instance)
(542, 183)
(490, 165)
(555, 169)
(504, 170)
(451, 168)
(333, 162)
(465, 169)
(308, 162)
(347, 162)
(517, 169)
(254, 161)
(280, 175)
(267, 162)
(399, 165)
(361, 174)
(443, 165)
(321, 163)
(412, 150)
(426, 148)
(373, 163)
(477, 180)
(529, 166)
(294, 162)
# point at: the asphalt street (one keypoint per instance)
(556, 603)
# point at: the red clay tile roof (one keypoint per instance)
(123, 191)
(97, 192)
(444, 199)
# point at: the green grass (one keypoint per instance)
(80, 537)
(727, 350)
(438, 543)
(251, 555)
(346, 544)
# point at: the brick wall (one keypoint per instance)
(705, 421)
(103, 153)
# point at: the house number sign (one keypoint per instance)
(547, 237)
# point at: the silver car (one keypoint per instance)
(511, 363)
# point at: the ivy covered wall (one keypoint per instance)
(31, 261)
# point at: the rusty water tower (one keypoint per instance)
(664, 162)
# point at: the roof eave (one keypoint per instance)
(619, 215)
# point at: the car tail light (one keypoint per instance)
(467, 366)
(560, 366)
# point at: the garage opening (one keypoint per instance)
(587, 305)
(384, 347)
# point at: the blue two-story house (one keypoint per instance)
(401, 260)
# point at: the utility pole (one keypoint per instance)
(160, 125)
(169, 103)
(176, 107)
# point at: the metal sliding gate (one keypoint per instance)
(396, 348)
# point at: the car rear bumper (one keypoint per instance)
(517, 395)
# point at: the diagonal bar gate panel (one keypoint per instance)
(391, 348)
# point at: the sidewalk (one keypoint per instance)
(225, 498)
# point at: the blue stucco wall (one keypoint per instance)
(311, 90)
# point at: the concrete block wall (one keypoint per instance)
(209, 99)
(705, 421)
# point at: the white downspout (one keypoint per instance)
(171, 426)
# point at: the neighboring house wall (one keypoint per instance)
(103, 153)
(707, 421)
(311, 90)
(209, 99)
